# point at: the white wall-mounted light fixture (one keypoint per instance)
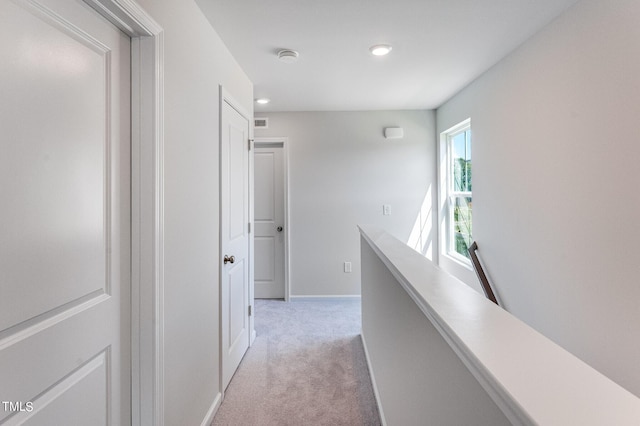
(380, 49)
(288, 56)
(393, 132)
(263, 101)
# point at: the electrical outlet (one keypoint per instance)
(386, 209)
(347, 267)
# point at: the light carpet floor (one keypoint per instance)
(306, 367)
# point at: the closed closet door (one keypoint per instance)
(65, 221)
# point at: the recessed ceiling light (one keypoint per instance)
(288, 56)
(380, 49)
(263, 101)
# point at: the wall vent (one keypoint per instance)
(261, 123)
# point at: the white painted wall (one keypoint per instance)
(556, 152)
(341, 172)
(196, 62)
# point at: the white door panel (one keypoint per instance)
(265, 165)
(269, 222)
(83, 393)
(64, 197)
(234, 222)
(238, 320)
(265, 248)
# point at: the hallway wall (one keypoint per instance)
(342, 171)
(196, 62)
(555, 172)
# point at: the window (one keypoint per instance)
(458, 226)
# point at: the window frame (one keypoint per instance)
(449, 195)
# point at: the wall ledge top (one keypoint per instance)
(532, 379)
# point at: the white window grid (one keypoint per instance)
(452, 194)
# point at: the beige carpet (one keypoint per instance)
(306, 367)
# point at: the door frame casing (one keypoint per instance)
(147, 206)
(225, 96)
(285, 164)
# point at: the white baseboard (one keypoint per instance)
(373, 381)
(208, 418)
(326, 298)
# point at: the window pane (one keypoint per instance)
(468, 159)
(461, 157)
(458, 187)
(462, 225)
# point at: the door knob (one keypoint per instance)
(279, 228)
(229, 259)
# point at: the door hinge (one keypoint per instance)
(249, 310)
(250, 142)
(249, 227)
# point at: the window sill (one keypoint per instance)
(460, 269)
(459, 260)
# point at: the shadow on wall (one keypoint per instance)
(421, 237)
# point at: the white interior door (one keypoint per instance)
(269, 221)
(234, 232)
(65, 221)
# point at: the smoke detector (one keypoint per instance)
(288, 56)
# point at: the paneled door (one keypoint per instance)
(234, 238)
(269, 220)
(64, 216)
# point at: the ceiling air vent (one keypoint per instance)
(261, 123)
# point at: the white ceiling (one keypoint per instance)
(439, 46)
